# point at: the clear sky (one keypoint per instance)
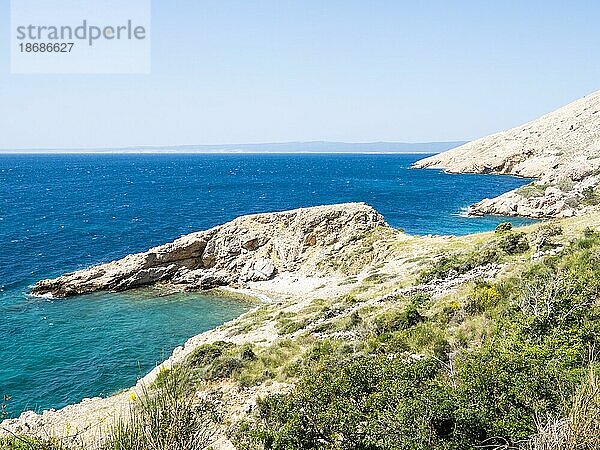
(244, 71)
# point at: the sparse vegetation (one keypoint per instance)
(591, 196)
(460, 263)
(404, 386)
(533, 189)
(169, 417)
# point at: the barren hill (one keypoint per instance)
(561, 149)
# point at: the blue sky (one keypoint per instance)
(266, 71)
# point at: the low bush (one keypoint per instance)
(482, 297)
(459, 263)
(503, 227)
(590, 196)
(514, 243)
(544, 235)
(398, 319)
(205, 354)
(287, 325)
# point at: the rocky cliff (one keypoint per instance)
(560, 149)
(249, 248)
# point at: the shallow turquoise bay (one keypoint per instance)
(63, 349)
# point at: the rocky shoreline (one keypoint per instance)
(561, 150)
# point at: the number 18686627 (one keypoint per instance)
(41, 47)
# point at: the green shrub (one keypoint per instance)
(590, 239)
(205, 354)
(590, 196)
(364, 403)
(289, 326)
(544, 235)
(427, 338)
(482, 297)
(460, 263)
(514, 243)
(420, 299)
(448, 312)
(398, 319)
(503, 227)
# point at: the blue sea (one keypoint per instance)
(60, 213)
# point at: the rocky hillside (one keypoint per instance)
(250, 248)
(560, 149)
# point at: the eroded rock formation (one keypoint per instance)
(249, 248)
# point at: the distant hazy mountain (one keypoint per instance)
(280, 147)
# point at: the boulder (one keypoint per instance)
(258, 270)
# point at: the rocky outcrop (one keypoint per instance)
(249, 248)
(560, 149)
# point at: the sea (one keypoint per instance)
(60, 213)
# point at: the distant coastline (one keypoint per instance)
(314, 147)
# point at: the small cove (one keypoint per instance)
(64, 212)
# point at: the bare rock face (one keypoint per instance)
(560, 149)
(249, 248)
(258, 270)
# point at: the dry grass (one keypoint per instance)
(169, 417)
(580, 429)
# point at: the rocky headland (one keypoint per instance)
(561, 150)
(248, 249)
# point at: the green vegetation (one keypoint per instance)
(460, 263)
(166, 417)
(503, 227)
(398, 319)
(27, 443)
(410, 383)
(591, 197)
(532, 190)
(247, 364)
(169, 417)
(513, 243)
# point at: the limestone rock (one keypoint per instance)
(561, 149)
(258, 270)
(249, 248)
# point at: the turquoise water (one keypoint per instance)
(64, 212)
(56, 352)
